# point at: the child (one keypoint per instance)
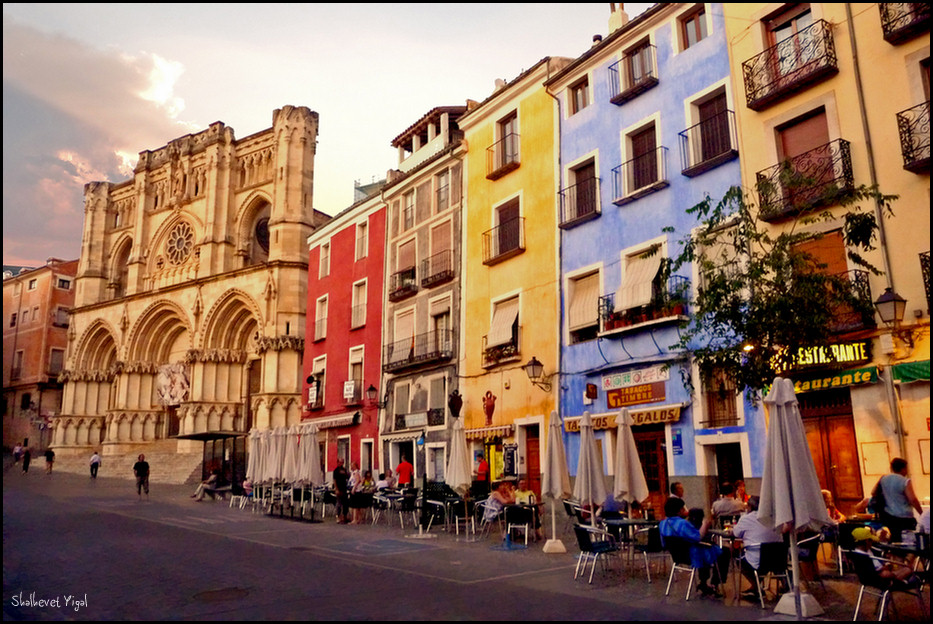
(863, 538)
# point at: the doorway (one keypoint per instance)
(533, 458)
(830, 428)
(652, 451)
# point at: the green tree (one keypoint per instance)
(761, 296)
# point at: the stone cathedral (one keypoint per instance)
(190, 295)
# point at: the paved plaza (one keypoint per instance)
(82, 549)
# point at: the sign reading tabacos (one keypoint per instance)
(636, 377)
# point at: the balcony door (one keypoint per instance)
(645, 161)
(714, 128)
(804, 144)
(791, 42)
(509, 229)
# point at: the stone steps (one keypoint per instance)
(176, 468)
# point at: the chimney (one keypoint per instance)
(617, 17)
(597, 39)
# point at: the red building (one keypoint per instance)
(343, 337)
(36, 307)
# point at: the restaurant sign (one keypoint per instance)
(637, 377)
(635, 395)
(655, 415)
(852, 377)
(839, 353)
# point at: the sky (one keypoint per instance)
(86, 87)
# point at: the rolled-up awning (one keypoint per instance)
(500, 431)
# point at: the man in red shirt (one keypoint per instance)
(482, 478)
(405, 471)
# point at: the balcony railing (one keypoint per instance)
(353, 394)
(913, 126)
(708, 144)
(503, 156)
(419, 349)
(925, 272)
(861, 313)
(670, 302)
(437, 269)
(794, 63)
(413, 420)
(901, 21)
(639, 176)
(504, 241)
(579, 203)
(500, 354)
(634, 74)
(819, 177)
(402, 284)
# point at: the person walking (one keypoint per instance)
(900, 501)
(141, 470)
(27, 458)
(95, 464)
(49, 460)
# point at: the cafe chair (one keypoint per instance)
(573, 511)
(872, 583)
(679, 550)
(808, 549)
(771, 567)
(519, 518)
(594, 543)
(462, 513)
(486, 524)
(408, 506)
(380, 508)
(648, 542)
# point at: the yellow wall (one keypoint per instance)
(532, 274)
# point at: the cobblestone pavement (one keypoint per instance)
(69, 539)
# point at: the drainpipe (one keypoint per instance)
(560, 254)
(879, 217)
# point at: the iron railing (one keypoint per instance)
(403, 284)
(901, 21)
(639, 176)
(504, 241)
(579, 203)
(925, 271)
(419, 349)
(437, 269)
(708, 144)
(913, 126)
(503, 156)
(500, 354)
(818, 177)
(633, 74)
(792, 64)
(669, 301)
(861, 313)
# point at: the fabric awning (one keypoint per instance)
(636, 288)
(402, 436)
(584, 306)
(208, 436)
(908, 372)
(489, 432)
(329, 422)
(500, 330)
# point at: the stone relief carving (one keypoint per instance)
(172, 384)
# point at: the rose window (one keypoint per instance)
(180, 242)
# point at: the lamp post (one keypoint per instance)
(372, 393)
(535, 371)
(890, 307)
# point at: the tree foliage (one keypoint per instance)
(761, 296)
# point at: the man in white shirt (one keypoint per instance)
(751, 531)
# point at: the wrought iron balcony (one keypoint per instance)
(504, 241)
(794, 63)
(500, 354)
(633, 74)
(670, 303)
(503, 156)
(579, 203)
(816, 178)
(402, 284)
(437, 269)
(708, 144)
(859, 315)
(420, 349)
(639, 176)
(925, 271)
(436, 416)
(353, 394)
(901, 21)
(913, 126)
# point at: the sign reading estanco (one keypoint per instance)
(655, 415)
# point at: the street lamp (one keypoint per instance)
(535, 371)
(372, 393)
(891, 307)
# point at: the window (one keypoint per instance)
(320, 319)
(35, 314)
(503, 329)
(720, 394)
(17, 371)
(639, 64)
(64, 284)
(402, 350)
(13, 320)
(438, 267)
(402, 395)
(792, 42)
(324, 269)
(640, 278)
(180, 243)
(503, 156)
(56, 361)
(362, 240)
(355, 376)
(25, 401)
(442, 183)
(644, 158)
(507, 236)
(33, 283)
(583, 308)
(317, 383)
(581, 200)
(408, 211)
(61, 317)
(358, 313)
(579, 95)
(440, 326)
(693, 27)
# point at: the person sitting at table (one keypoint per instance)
(677, 490)
(361, 497)
(207, 486)
(524, 496)
(497, 501)
(702, 556)
(741, 494)
(751, 531)
(727, 504)
(864, 537)
(695, 516)
(834, 514)
(382, 483)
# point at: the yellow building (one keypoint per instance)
(841, 93)
(511, 291)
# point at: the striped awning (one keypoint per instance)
(499, 431)
(329, 422)
(584, 304)
(401, 436)
(500, 330)
(636, 288)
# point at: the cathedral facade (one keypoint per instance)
(190, 294)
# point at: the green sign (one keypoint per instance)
(852, 377)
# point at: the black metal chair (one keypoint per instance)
(679, 550)
(772, 564)
(873, 583)
(648, 543)
(593, 543)
(519, 518)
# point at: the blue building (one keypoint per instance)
(646, 131)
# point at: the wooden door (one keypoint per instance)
(651, 452)
(714, 128)
(533, 459)
(645, 162)
(804, 143)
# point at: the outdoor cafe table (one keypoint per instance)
(903, 550)
(629, 526)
